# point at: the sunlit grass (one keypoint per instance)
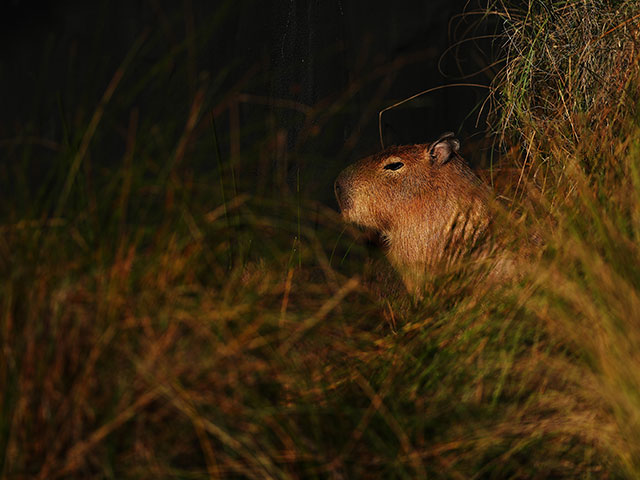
(162, 316)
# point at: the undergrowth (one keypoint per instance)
(163, 315)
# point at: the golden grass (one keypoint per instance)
(163, 324)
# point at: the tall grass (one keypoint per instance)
(567, 97)
(159, 318)
(564, 60)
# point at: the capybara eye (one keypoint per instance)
(394, 166)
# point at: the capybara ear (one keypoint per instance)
(444, 148)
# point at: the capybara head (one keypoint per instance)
(421, 198)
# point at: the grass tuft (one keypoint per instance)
(161, 316)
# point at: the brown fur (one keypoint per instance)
(429, 211)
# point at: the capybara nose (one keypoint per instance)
(343, 189)
(342, 194)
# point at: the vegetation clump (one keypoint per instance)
(165, 311)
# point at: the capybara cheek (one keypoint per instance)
(373, 214)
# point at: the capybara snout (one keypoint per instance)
(341, 188)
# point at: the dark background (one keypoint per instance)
(260, 65)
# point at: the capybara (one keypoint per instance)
(424, 200)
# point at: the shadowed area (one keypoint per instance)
(181, 298)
